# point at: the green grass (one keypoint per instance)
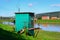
(7, 33)
(7, 27)
(46, 35)
(48, 21)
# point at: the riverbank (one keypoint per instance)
(7, 33)
(48, 35)
(48, 21)
(6, 20)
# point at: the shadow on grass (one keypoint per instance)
(6, 35)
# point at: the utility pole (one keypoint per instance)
(18, 9)
(18, 6)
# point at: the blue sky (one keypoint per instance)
(9, 7)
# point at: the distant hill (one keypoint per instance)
(50, 14)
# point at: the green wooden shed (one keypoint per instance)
(23, 19)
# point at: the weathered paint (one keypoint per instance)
(21, 21)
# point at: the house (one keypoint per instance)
(58, 18)
(45, 17)
(53, 18)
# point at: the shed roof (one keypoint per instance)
(30, 13)
(24, 13)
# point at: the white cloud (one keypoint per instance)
(30, 4)
(58, 5)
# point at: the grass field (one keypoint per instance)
(7, 33)
(46, 35)
(7, 27)
(48, 21)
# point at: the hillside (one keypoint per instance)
(50, 14)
